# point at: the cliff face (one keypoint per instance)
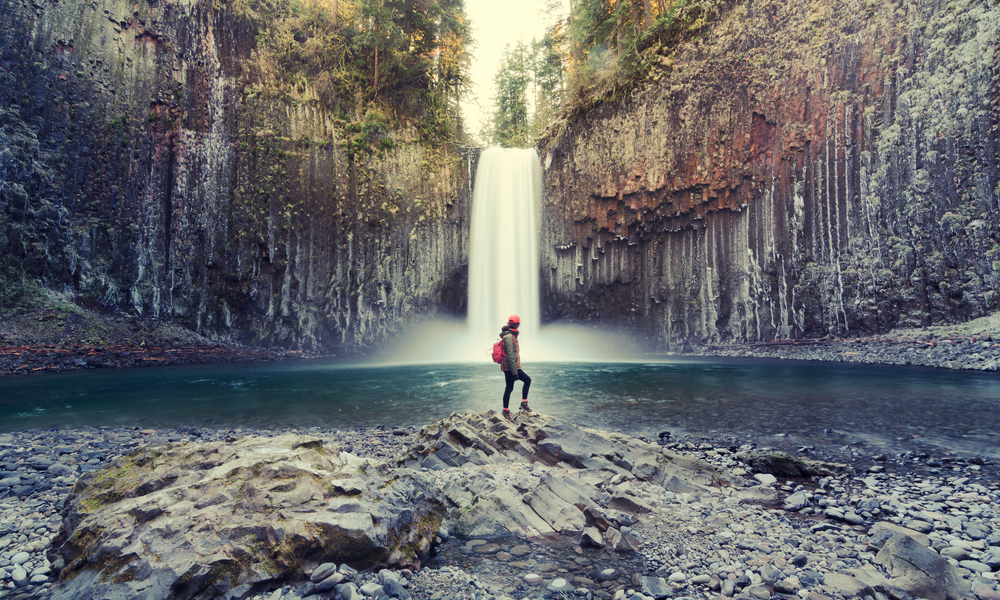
(798, 169)
(145, 166)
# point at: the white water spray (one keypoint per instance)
(503, 277)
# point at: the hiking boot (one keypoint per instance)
(524, 407)
(506, 414)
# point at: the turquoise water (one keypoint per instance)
(807, 402)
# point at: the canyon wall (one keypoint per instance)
(793, 169)
(147, 166)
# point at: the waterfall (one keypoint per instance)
(503, 279)
(503, 254)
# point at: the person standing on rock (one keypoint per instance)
(511, 366)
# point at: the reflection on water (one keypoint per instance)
(886, 405)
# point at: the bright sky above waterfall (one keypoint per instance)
(494, 25)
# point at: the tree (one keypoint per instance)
(510, 117)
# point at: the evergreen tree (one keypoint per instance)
(510, 116)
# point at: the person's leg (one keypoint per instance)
(527, 383)
(511, 378)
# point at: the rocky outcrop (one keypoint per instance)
(586, 488)
(149, 164)
(197, 520)
(201, 520)
(793, 169)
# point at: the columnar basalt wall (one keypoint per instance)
(799, 169)
(148, 164)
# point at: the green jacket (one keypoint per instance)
(511, 354)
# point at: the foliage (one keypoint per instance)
(510, 117)
(405, 59)
(597, 52)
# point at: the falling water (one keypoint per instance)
(503, 277)
(503, 257)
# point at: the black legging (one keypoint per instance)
(511, 378)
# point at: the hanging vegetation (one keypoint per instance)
(406, 59)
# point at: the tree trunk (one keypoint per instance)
(636, 24)
(333, 15)
(647, 15)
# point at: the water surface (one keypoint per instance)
(891, 406)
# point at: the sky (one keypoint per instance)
(496, 23)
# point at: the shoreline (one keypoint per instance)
(959, 353)
(971, 346)
(681, 537)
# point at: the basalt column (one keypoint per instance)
(155, 160)
(797, 169)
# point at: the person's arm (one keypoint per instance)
(509, 353)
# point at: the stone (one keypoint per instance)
(975, 566)
(765, 478)
(20, 558)
(919, 571)
(789, 585)
(19, 576)
(395, 589)
(834, 513)
(592, 536)
(560, 585)
(853, 518)
(919, 525)
(329, 582)
(533, 579)
(992, 558)
(786, 466)
(955, 552)
(677, 577)
(758, 591)
(322, 572)
(655, 587)
(797, 501)
(891, 528)
(769, 573)
(846, 585)
(371, 589)
(984, 592)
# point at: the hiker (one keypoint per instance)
(511, 366)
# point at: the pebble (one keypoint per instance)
(693, 546)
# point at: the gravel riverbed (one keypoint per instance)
(801, 543)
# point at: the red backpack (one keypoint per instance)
(498, 351)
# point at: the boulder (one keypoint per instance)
(271, 522)
(920, 572)
(785, 465)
